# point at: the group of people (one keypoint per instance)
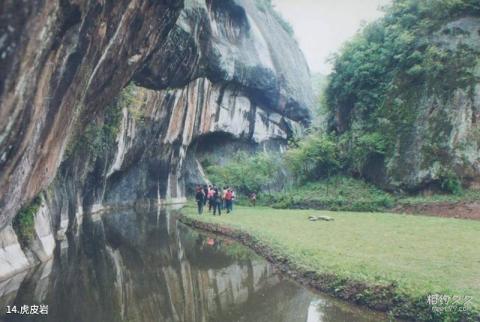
(216, 198)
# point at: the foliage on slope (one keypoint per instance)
(384, 74)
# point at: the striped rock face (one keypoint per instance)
(72, 131)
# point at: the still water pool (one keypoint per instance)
(146, 266)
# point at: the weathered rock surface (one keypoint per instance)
(240, 46)
(59, 59)
(432, 125)
(448, 124)
(69, 132)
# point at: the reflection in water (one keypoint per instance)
(129, 266)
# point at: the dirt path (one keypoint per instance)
(464, 210)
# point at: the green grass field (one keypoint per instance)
(423, 255)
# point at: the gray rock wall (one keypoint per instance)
(449, 124)
(69, 132)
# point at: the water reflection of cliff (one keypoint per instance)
(147, 267)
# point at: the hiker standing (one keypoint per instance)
(224, 194)
(200, 198)
(229, 200)
(205, 192)
(233, 199)
(210, 197)
(217, 202)
(253, 199)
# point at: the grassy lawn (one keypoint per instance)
(423, 255)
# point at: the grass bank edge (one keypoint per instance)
(380, 295)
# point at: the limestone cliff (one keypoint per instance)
(446, 134)
(408, 99)
(73, 132)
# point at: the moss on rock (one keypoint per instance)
(24, 222)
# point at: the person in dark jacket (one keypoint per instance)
(200, 198)
(217, 202)
(210, 197)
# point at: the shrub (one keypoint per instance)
(315, 157)
(450, 183)
(24, 222)
(100, 134)
(247, 173)
(336, 193)
(356, 148)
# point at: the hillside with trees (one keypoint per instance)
(404, 97)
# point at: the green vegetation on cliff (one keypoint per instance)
(100, 134)
(24, 222)
(383, 76)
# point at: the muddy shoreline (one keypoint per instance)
(383, 298)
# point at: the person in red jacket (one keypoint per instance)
(210, 197)
(229, 200)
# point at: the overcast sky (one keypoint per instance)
(321, 26)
